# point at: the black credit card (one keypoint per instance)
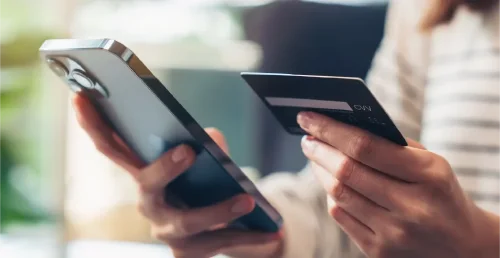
(347, 100)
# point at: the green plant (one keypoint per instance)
(19, 67)
(19, 99)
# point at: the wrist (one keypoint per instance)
(488, 236)
(491, 248)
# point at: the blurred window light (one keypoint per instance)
(348, 2)
(155, 21)
(167, 20)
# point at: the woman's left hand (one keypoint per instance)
(395, 201)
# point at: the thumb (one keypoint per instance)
(218, 138)
(415, 144)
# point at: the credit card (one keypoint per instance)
(344, 99)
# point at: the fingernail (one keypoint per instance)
(308, 143)
(179, 154)
(304, 120)
(240, 207)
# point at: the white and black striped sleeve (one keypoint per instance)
(398, 73)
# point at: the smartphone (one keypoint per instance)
(151, 121)
(344, 99)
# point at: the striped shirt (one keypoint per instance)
(441, 88)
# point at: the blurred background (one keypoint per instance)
(55, 188)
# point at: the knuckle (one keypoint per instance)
(102, 147)
(184, 226)
(418, 216)
(361, 146)
(442, 178)
(428, 162)
(439, 167)
(367, 242)
(340, 193)
(322, 130)
(392, 198)
(144, 184)
(154, 178)
(434, 160)
(388, 244)
(370, 245)
(346, 169)
(157, 234)
(399, 236)
(443, 184)
(152, 208)
(334, 211)
(144, 187)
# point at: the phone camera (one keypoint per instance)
(85, 82)
(58, 68)
(76, 77)
(82, 79)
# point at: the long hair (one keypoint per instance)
(442, 11)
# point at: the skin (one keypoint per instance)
(190, 233)
(395, 201)
(392, 201)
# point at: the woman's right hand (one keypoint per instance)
(192, 232)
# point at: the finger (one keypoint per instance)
(193, 221)
(364, 210)
(126, 149)
(405, 163)
(362, 236)
(379, 188)
(212, 243)
(153, 207)
(218, 138)
(415, 144)
(102, 135)
(154, 178)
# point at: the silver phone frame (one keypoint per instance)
(125, 54)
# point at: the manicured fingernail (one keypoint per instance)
(308, 143)
(179, 154)
(240, 207)
(304, 120)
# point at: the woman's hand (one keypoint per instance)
(395, 201)
(190, 233)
